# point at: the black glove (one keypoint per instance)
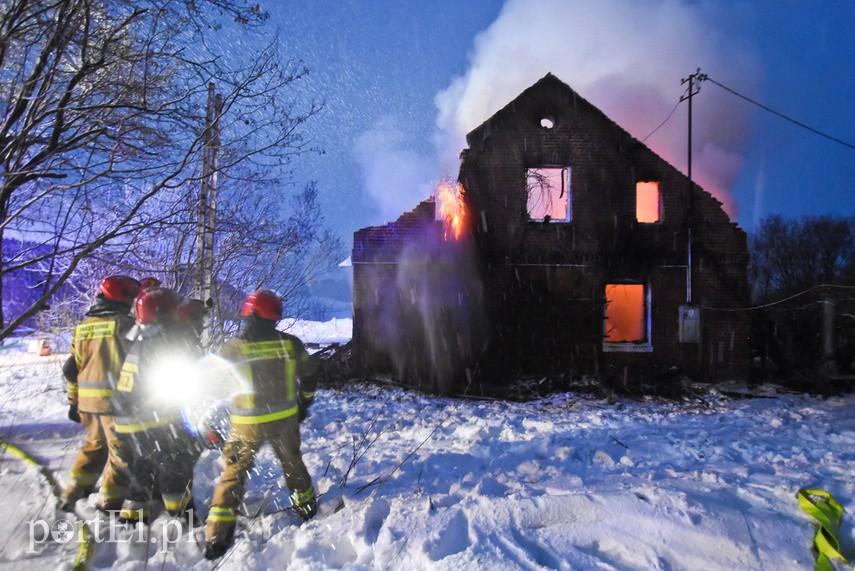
(303, 412)
(73, 415)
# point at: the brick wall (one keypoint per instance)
(544, 282)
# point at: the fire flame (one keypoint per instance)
(452, 211)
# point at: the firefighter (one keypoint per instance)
(91, 372)
(191, 314)
(157, 379)
(149, 282)
(278, 388)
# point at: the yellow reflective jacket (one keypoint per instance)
(97, 352)
(277, 375)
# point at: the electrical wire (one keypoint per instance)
(663, 122)
(780, 301)
(781, 115)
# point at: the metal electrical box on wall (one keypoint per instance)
(690, 324)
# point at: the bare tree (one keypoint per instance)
(789, 260)
(790, 256)
(264, 239)
(102, 106)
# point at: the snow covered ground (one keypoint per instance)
(416, 482)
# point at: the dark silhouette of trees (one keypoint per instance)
(791, 256)
(802, 273)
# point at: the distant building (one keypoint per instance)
(576, 260)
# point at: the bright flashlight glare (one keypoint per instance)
(219, 382)
(175, 380)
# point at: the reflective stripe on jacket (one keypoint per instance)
(271, 370)
(98, 351)
(129, 425)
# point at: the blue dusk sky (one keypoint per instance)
(403, 82)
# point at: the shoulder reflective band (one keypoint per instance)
(96, 330)
(265, 350)
(84, 552)
(824, 508)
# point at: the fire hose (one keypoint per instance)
(822, 506)
(84, 552)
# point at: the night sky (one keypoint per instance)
(404, 81)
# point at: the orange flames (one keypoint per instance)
(452, 212)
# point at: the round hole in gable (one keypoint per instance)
(547, 122)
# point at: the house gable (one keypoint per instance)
(576, 280)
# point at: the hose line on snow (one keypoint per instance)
(84, 551)
(822, 506)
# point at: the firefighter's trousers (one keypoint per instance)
(103, 454)
(239, 456)
(163, 461)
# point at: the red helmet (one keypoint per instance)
(156, 305)
(264, 303)
(191, 311)
(119, 288)
(149, 282)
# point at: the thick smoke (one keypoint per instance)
(395, 176)
(627, 58)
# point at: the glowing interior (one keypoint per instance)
(548, 193)
(625, 321)
(647, 201)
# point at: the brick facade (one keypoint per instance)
(536, 303)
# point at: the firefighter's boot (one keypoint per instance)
(133, 512)
(305, 503)
(215, 549)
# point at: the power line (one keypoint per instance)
(780, 301)
(782, 116)
(663, 122)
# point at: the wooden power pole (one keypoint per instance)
(208, 205)
(694, 88)
(689, 315)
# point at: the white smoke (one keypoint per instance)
(398, 178)
(627, 58)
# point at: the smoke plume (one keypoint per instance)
(395, 176)
(628, 59)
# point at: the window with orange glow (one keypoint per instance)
(647, 201)
(626, 318)
(548, 190)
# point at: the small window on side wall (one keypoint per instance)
(647, 202)
(626, 313)
(548, 192)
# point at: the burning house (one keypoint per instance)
(567, 248)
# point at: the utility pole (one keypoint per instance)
(689, 330)
(694, 81)
(208, 205)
